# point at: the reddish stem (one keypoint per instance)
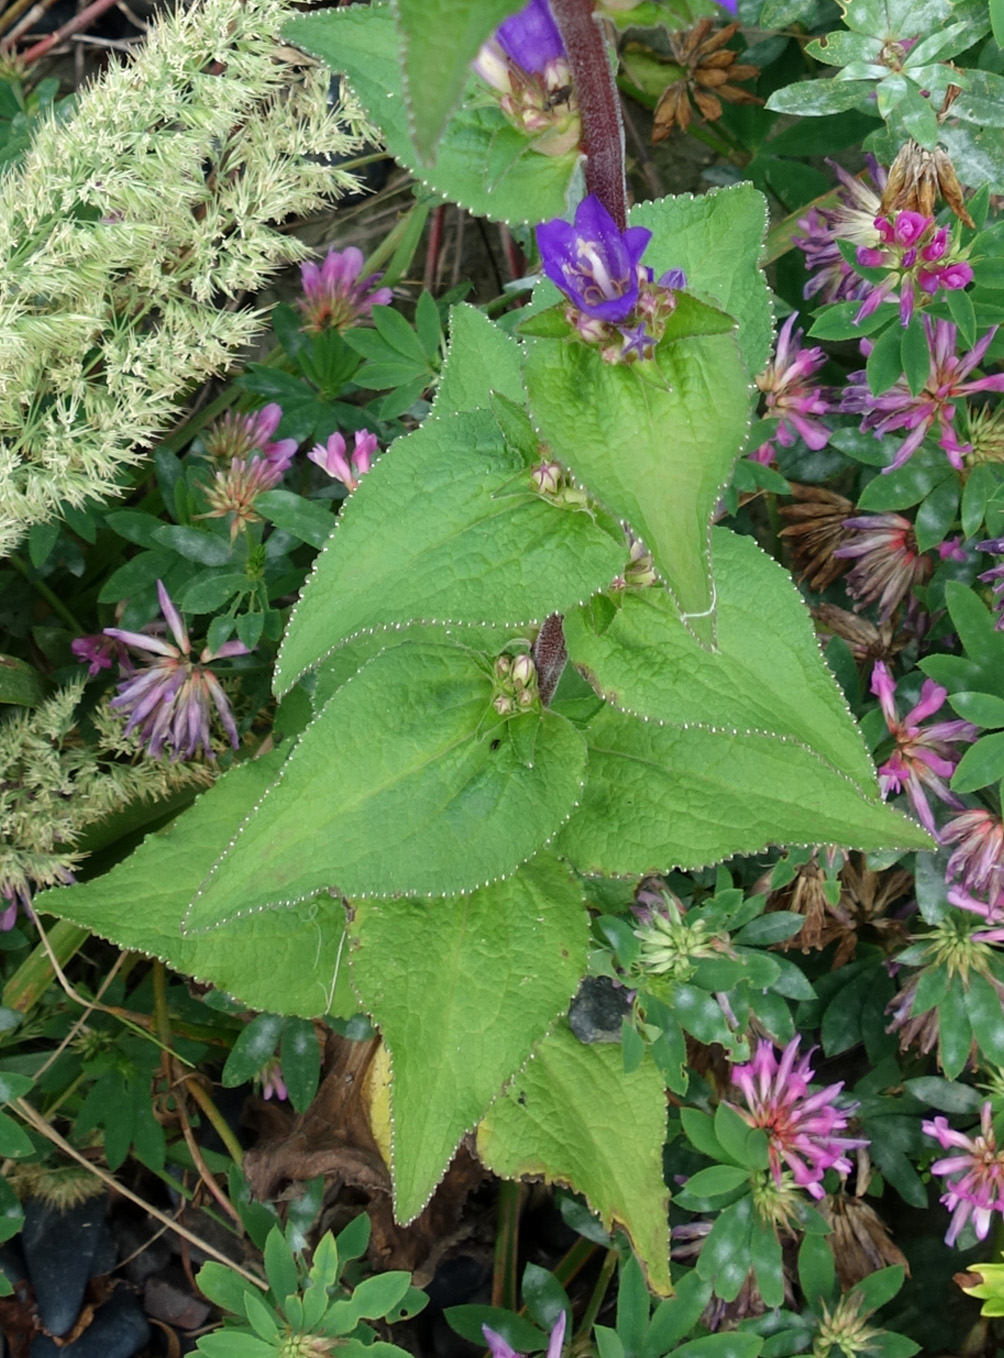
(74, 25)
(433, 248)
(599, 104)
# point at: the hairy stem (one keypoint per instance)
(599, 104)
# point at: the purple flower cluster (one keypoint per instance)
(851, 219)
(933, 408)
(615, 302)
(918, 256)
(525, 63)
(803, 1129)
(335, 296)
(334, 458)
(790, 394)
(924, 757)
(170, 700)
(975, 1186)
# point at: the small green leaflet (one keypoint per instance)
(403, 785)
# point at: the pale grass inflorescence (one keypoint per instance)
(133, 228)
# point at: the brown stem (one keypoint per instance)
(74, 25)
(599, 104)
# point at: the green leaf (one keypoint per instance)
(884, 364)
(280, 1266)
(879, 1288)
(729, 1344)
(960, 304)
(304, 973)
(660, 797)
(666, 488)
(491, 550)
(817, 1274)
(955, 1035)
(439, 40)
(674, 1318)
(984, 1009)
(309, 520)
(481, 359)
(14, 1140)
(937, 513)
(371, 1299)
(300, 1058)
(255, 1045)
(516, 1330)
(406, 743)
(982, 101)
(945, 1095)
(981, 765)
(211, 590)
(997, 20)
(195, 544)
(725, 1255)
(572, 1116)
(481, 161)
(906, 485)
(462, 993)
(982, 709)
(765, 1252)
(915, 355)
(745, 1145)
(717, 239)
(144, 569)
(647, 663)
(13, 1086)
(812, 97)
(716, 1181)
(20, 683)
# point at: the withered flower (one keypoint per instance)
(859, 1239)
(708, 70)
(864, 898)
(815, 530)
(917, 178)
(868, 641)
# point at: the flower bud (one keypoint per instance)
(524, 672)
(502, 666)
(546, 478)
(502, 705)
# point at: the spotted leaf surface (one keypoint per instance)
(401, 786)
(462, 992)
(573, 1117)
(139, 905)
(446, 527)
(654, 442)
(767, 673)
(481, 161)
(662, 796)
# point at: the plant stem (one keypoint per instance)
(599, 104)
(45, 592)
(599, 1292)
(504, 1285)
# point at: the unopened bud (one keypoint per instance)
(502, 705)
(525, 697)
(503, 665)
(524, 671)
(546, 478)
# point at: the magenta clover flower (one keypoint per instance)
(915, 252)
(790, 395)
(923, 757)
(334, 294)
(170, 700)
(593, 262)
(975, 1187)
(334, 459)
(238, 436)
(99, 652)
(888, 562)
(995, 577)
(501, 1348)
(852, 219)
(934, 407)
(531, 38)
(802, 1128)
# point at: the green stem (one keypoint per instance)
(599, 1292)
(44, 592)
(504, 1283)
(575, 1260)
(35, 974)
(218, 1121)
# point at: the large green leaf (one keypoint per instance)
(439, 40)
(481, 359)
(767, 674)
(717, 239)
(482, 162)
(403, 785)
(462, 991)
(446, 527)
(574, 1117)
(654, 442)
(140, 903)
(660, 797)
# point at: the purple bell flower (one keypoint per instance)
(531, 38)
(592, 262)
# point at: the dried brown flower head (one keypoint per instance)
(860, 1242)
(815, 530)
(708, 70)
(868, 641)
(917, 178)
